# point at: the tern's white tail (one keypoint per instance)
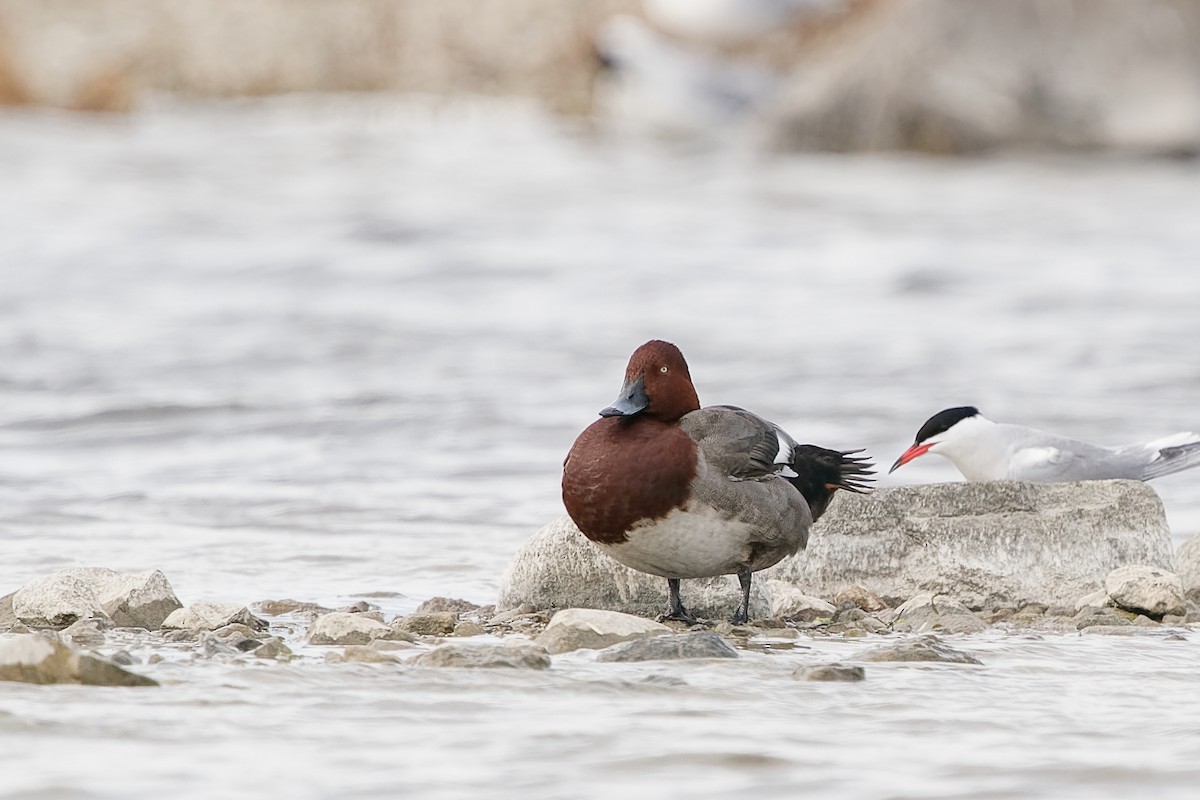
(1175, 453)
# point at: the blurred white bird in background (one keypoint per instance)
(674, 77)
(654, 85)
(733, 21)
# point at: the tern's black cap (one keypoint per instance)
(944, 421)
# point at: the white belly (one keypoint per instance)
(698, 543)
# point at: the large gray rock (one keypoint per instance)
(37, 658)
(129, 599)
(57, 601)
(559, 568)
(135, 599)
(1187, 567)
(1142, 589)
(985, 544)
(999, 543)
(592, 629)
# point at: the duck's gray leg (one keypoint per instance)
(742, 615)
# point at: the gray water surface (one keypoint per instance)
(318, 347)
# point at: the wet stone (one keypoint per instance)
(999, 615)
(273, 648)
(123, 657)
(832, 673)
(925, 649)
(277, 608)
(669, 648)
(36, 658)
(387, 645)
(1089, 617)
(238, 629)
(928, 612)
(206, 616)
(344, 628)
(1114, 630)
(861, 598)
(438, 623)
(210, 646)
(360, 654)
(789, 602)
(87, 632)
(1141, 588)
(466, 628)
(479, 655)
(444, 605)
(361, 607)
(593, 629)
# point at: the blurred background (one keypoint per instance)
(310, 297)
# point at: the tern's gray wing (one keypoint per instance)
(1045, 457)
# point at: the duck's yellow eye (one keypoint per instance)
(663, 370)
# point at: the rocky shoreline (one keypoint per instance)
(90, 648)
(890, 569)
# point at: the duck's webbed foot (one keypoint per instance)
(675, 609)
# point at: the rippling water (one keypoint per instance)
(315, 348)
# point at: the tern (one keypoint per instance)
(983, 450)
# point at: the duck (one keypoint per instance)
(678, 491)
(983, 450)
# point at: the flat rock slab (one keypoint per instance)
(593, 629)
(1001, 543)
(670, 648)
(925, 649)
(481, 655)
(34, 658)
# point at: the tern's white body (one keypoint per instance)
(983, 450)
